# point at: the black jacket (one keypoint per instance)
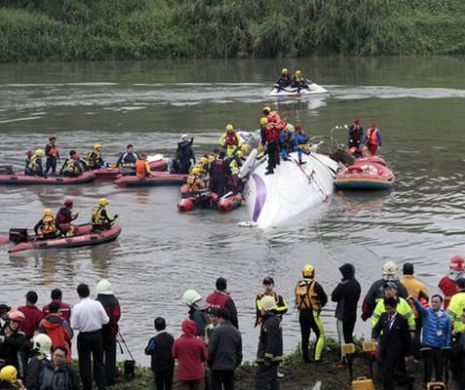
(347, 294)
(394, 340)
(270, 342)
(15, 351)
(64, 378)
(376, 292)
(225, 348)
(159, 348)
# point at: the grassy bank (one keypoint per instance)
(298, 376)
(146, 29)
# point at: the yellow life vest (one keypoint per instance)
(33, 162)
(48, 225)
(305, 295)
(97, 218)
(71, 167)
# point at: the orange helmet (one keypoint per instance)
(16, 315)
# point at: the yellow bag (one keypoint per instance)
(362, 383)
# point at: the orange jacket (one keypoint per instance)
(142, 168)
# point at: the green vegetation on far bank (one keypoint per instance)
(69, 30)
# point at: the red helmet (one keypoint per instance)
(16, 315)
(52, 136)
(68, 203)
(457, 263)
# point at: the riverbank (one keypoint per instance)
(151, 29)
(297, 375)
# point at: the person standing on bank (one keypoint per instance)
(346, 294)
(220, 298)
(110, 331)
(88, 317)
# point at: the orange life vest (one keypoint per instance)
(305, 295)
(142, 168)
(271, 132)
(274, 117)
(372, 136)
(53, 150)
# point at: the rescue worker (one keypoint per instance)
(298, 81)
(27, 163)
(94, 158)
(270, 346)
(52, 154)
(218, 171)
(448, 283)
(36, 166)
(71, 166)
(287, 143)
(376, 291)
(230, 141)
(221, 299)
(14, 346)
(310, 298)
(9, 379)
(41, 350)
(274, 117)
(4, 309)
(372, 139)
(65, 217)
(355, 133)
(301, 142)
(236, 160)
(47, 226)
(194, 182)
(268, 290)
(100, 218)
(197, 310)
(270, 138)
(284, 80)
(390, 291)
(143, 169)
(456, 308)
(203, 165)
(128, 158)
(415, 290)
(184, 155)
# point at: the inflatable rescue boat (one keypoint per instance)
(161, 179)
(19, 178)
(111, 173)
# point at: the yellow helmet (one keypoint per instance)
(204, 160)
(229, 127)
(284, 70)
(244, 148)
(9, 374)
(308, 271)
(103, 201)
(239, 154)
(267, 108)
(263, 121)
(211, 158)
(97, 146)
(298, 72)
(196, 171)
(47, 212)
(39, 152)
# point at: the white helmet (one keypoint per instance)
(190, 297)
(389, 268)
(104, 287)
(42, 343)
(184, 137)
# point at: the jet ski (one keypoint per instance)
(312, 89)
(273, 200)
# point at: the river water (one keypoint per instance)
(418, 104)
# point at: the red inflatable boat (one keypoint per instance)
(19, 178)
(207, 199)
(161, 179)
(83, 237)
(365, 174)
(111, 173)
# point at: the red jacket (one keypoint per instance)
(217, 299)
(59, 331)
(191, 352)
(449, 289)
(65, 309)
(33, 316)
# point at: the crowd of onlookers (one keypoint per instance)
(35, 344)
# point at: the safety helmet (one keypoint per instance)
(16, 315)
(229, 127)
(244, 148)
(97, 146)
(39, 152)
(284, 70)
(52, 136)
(263, 121)
(204, 160)
(42, 343)
(239, 154)
(457, 263)
(103, 201)
(308, 271)
(184, 137)
(267, 108)
(267, 303)
(104, 287)
(9, 374)
(196, 171)
(298, 72)
(389, 268)
(47, 212)
(190, 297)
(68, 203)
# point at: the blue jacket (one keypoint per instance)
(436, 327)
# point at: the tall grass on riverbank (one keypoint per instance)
(145, 29)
